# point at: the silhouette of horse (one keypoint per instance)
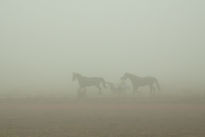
(141, 81)
(117, 89)
(84, 82)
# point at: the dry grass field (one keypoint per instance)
(103, 117)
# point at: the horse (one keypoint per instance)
(117, 89)
(137, 82)
(84, 82)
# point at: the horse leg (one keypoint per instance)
(151, 91)
(100, 90)
(84, 92)
(119, 91)
(79, 91)
(135, 90)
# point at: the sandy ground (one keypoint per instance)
(102, 117)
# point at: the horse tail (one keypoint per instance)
(104, 83)
(157, 83)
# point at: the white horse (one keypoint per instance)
(117, 89)
(141, 81)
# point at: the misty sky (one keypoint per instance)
(43, 41)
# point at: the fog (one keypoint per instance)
(107, 44)
(43, 42)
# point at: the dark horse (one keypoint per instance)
(87, 82)
(141, 81)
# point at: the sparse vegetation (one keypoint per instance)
(103, 117)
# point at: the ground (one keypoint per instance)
(103, 117)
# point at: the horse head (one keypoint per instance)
(75, 76)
